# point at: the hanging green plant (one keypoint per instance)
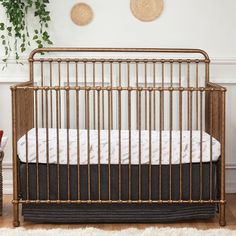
(16, 36)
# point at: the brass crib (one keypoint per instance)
(107, 89)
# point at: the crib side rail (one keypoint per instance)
(152, 103)
(146, 119)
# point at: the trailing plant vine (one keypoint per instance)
(15, 34)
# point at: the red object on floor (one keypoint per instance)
(1, 134)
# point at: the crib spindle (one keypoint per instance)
(139, 143)
(201, 148)
(191, 145)
(150, 146)
(154, 96)
(170, 138)
(59, 98)
(103, 97)
(99, 143)
(85, 95)
(211, 143)
(26, 150)
(162, 113)
(68, 142)
(130, 155)
(51, 96)
(137, 94)
(111, 102)
(160, 142)
(42, 92)
(94, 96)
(145, 94)
(120, 126)
(78, 142)
(109, 144)
(47, 148)
(188, 96)
(197, 97)
(36, 143)
(180, 74)
(58, 143)
(88, 143)
(128, 74)
(181, 145)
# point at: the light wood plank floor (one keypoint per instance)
(6, 220)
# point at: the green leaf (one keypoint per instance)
(6, 51)
(45, 33)
(2, 26)
(23, 49)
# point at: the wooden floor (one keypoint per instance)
(6, 220)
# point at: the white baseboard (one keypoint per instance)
(8, 189)
(7, 178)
(230, 187)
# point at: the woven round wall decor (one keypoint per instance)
(81, 14)
(146, 10)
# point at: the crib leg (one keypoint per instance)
(16, 221)
(222, 220)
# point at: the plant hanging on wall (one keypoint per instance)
(16, 35)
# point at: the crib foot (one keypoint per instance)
(16, 223)
(222, 223)
(16, 220)
(222, 220)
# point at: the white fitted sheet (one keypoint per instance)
(50, 150)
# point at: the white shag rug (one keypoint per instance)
(152, 231)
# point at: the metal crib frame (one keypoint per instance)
(40, 105)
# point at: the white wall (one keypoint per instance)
(209, 25)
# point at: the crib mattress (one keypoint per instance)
(48, 150)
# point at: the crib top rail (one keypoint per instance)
(120, 67)
(119, 50)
